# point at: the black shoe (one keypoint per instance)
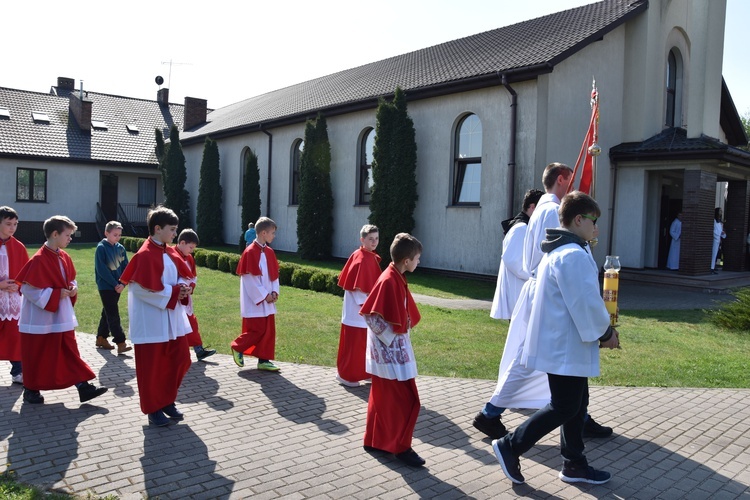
(32, 397)
(410, 457)
(172, 412)
(158, 419)
(204, 353)
(493, 427)
(87, 392)
(508, 461)
(591, 429)
(583, 473)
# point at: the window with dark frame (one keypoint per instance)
(242, 173)
(671, 88)
(467, 169)
(146, 192)
(31, 185)
(366, 146)
(297, 148)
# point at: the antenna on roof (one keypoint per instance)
(171, 63)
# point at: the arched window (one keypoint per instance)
(297, 148)
(366, 144)
(467, 169)
(674, 89)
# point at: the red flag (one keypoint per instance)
(592, 135)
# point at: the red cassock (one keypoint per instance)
(393, 407)
(360, 273)
(51, 360)
(194, 337)
(10, 339)
(160, 366)
(258, 336)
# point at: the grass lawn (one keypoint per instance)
(660, 348)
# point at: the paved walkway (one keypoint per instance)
(298, 434)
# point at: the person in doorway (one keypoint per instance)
(675, 230)
(719, 234)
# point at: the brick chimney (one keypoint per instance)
(80, 108)
(195, 112)
(64, 83)
(162, 97)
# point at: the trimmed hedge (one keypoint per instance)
(290, 274)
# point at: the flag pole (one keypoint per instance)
(594, 150)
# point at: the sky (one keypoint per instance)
(227, 51)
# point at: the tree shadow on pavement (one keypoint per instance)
(176, 464)
(292, 402)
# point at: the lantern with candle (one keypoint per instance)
(611, 286)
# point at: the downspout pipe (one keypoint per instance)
(512, 145)
(270, 156)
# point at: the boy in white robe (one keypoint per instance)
(568, 324)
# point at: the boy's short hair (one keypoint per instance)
(367, 229)
(577, 203)
(264, 224)
(531, 198)
(553, 171)
(8, 213)
(113, 224)
(188, 236)
(404, 246)
(250, 225)
(161, 216)
(58, 223)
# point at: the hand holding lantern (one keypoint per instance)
(611, 286)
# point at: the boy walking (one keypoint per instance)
(157, 278)
(110, 260)
(47, 323)
(13, 257)
(187, 241)
(259, 290)
(357, 279)
(390, 313)
(567, 326)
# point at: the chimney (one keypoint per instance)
(64, 83)
(80, 108)
(162, 97)
(195, 112)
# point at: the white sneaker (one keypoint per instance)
(17, 379)
(346, 382)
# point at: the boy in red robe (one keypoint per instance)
(187, 241)
(390, 312)
(259, 290)
(13, 257)
(357, 279)
(157, 279)
(49, 351)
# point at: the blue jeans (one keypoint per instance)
(15, 368)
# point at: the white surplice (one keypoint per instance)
(511, 277)
(673, 258)
(568, 315)
(150, 320)
(255, 289)
(517, 385)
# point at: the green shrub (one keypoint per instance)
(734, 315)
(234, 261)
(301, 277)
(332, 285)
(223, 262)
(200, 257)
(285, 273)
(212, 259)
(318, 281)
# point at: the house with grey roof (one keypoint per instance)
(88, 155)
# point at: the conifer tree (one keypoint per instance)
(394, 191)
(250, 194)
(209, 218)
(315, 210)
(174, 176)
